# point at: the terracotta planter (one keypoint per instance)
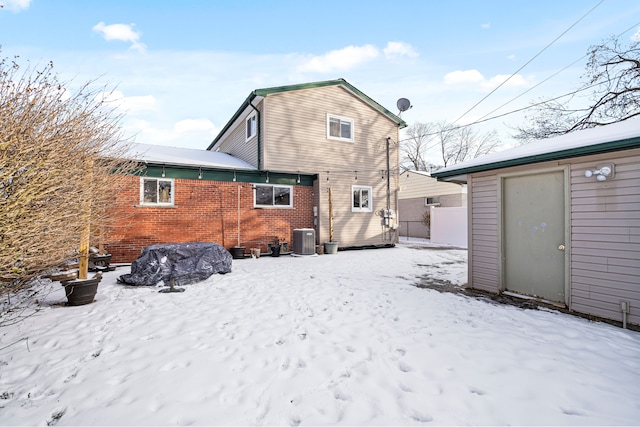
(81, 291)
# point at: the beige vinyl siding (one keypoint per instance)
(295, 130)
(295, 139)
(237, 145)
(484, 267)
(605, 237)
(418, 185)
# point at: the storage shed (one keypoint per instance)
(559, 220)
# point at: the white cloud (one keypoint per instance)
(131, 104)
(121, 32)
(515, 81)
(15, 5)
(485, 26)
(396, 49)
(194, 125)
(340, 60)
(468, 76)
(636, 36)
(511, 57)
(475, 77)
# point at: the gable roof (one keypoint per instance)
(604, 139)
(161, 155)
(280, 89)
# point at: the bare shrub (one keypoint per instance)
(62, 160)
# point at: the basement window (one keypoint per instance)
(279, 196)
(432, 201)
(340, 128)
(156, 192)
(361, 199)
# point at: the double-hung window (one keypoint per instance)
(251, 126)
(340, 128)
(280, 196)
(361, 200)
(156, 191)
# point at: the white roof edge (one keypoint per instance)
(599, 135)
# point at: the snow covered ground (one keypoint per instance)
(345, 339)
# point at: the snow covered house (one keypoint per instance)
(268, 173)
(336, 133)
(559, 219)
(187, 195)
(418, 192)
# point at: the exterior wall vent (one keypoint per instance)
(304, 241)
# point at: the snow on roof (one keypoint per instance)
(588, 141)
(186, 157)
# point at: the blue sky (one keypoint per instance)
(181, 69)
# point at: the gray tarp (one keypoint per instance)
(186, 262)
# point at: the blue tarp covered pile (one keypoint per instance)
(186, 263)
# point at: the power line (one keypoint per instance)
(528, 62)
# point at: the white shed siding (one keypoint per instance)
(484, 266)
(605, 237)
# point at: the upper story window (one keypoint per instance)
(251, 126)
(280, 196)
(340, 128)
(156, 191)
(361, 198)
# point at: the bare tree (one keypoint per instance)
(414, 148)
(613, 78)
(454, 144)
(61, 160)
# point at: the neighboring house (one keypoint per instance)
(186, 195)
(559, 219)
(418, 192)
(336, 133)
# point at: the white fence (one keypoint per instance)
(449, 226)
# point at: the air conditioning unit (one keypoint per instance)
(304, 241)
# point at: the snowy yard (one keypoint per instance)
(336, 339)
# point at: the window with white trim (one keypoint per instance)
(156, 191)
(429, 201)
(251, 126)
(361, 198)
(279, 196)
(340, 128)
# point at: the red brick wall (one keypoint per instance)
(204, 211)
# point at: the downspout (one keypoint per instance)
(388, 177)
(258, 125)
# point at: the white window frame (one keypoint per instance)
(157, 202)
(272, 205)
(360, 188)
(342, 120)
(251, 126)
(432, 201)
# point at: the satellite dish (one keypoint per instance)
(403, 104)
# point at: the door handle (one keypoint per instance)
(561, 247)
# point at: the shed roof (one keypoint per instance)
(604, 139)
(178, 156)
(261, 93)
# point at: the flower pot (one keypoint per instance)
(330, 247)
(81, 291)
(275, 250)
(237, 252)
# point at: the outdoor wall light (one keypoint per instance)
(601, 172)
